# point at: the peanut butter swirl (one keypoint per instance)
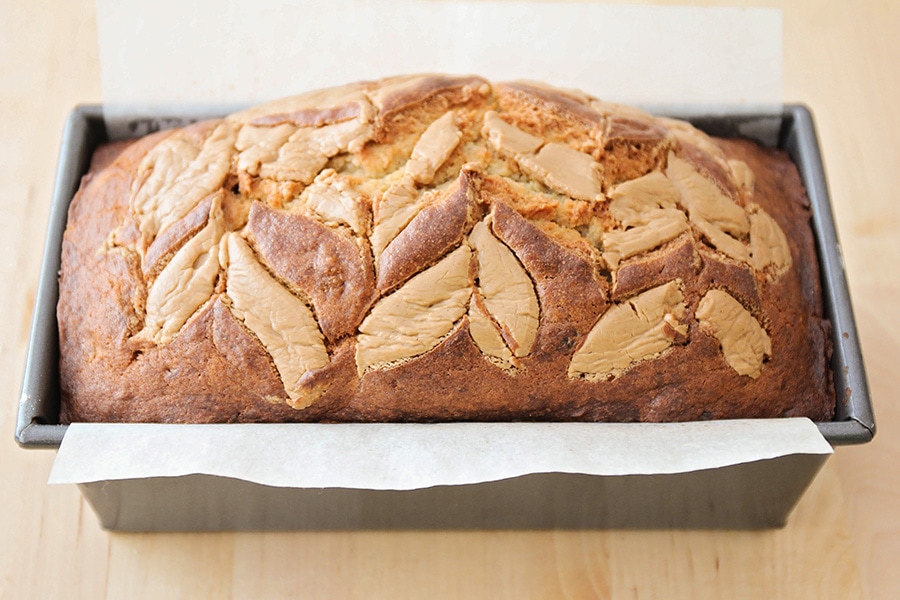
(360, 221)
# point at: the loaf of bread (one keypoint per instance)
(437, 248)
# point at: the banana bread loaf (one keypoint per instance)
(433, 248)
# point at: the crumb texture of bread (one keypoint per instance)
(440, 248)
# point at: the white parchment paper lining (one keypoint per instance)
(401, 457)
(172, 57)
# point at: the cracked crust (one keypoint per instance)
(432, 247)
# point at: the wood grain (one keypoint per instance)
(841, 542)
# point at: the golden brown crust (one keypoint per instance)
(489, 258)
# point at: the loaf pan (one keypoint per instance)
(794, 131)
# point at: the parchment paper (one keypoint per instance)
(175, 57)
(182, 57)
(402, 457)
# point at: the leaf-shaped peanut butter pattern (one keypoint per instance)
(177, 174)
(434, 231)
(485, 334)
(433, 148)
(507, 138)
(632, 331)
(742, 174)
(258, 145)
(646, 206)
(307, 150)
(283, 323)
(347, 136)
(714, 214)
(327, 265)
(506, 289)
(186, 282)
(558, 166)
(555, 269)
(299, 159)
(565, 170)
(633, 202)
(335, 201)
(415, 318)
(393, 210)
(177, 234)
(687, 134)
(768, 244)
(745, 343)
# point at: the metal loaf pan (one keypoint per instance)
(794, 131)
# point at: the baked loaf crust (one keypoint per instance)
(433, 248)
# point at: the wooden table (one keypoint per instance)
(842, 541)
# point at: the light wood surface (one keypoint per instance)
(842, 541)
